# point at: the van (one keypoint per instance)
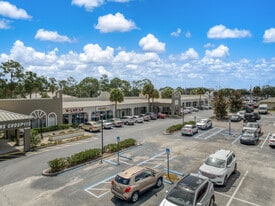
(263, 109)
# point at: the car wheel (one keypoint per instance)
(212, 201)
(135, 197)
(235, 169)
(225, 181)
(159, 182)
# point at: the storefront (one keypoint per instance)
(15, 128)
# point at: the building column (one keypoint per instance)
(27, 139)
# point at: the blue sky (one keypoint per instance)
(186, 43)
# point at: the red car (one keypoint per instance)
(161, 116)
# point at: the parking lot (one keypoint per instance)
(253, 184)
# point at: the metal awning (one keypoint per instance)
(11, 120)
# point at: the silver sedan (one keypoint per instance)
(189, 129)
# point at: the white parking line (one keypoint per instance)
(214, 134)
(236, 139)
(265, 140)
(238, 187)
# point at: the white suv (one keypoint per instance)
(219, 166)
(204, 124)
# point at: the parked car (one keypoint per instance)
(138, 119)
(189, 129)
(271, 140)
(117, 122)
(107, 124)
(129, 120)
(252, 117)
(241, 113)
(219, 166)
(204, 123)
(152, 115)
(191, 190)
(249, 136)
(145, 117)
(91, 126)
(253, 126)
(235, 118)
(161, 115)
(132, 182)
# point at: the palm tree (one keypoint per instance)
(147, 91)
(200, 91)
(116, 96)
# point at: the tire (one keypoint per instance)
(135, 197)
(225, 181)
(212, 201)
(159, 182)
(235, 169)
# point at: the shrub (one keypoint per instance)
(58, 164)
(178, 127)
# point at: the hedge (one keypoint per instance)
(60, 164)
(178, 127)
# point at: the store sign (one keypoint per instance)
(104, 108)
(15, 125)
(74, 110)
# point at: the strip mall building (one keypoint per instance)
(61, 109)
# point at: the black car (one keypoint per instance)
(251, 117)
(152, 115)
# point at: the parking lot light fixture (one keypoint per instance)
(102, 148)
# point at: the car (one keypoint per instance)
(235, 118)
(249, 136)
(117, 122)
(138, 119)
(271, 140)
(145, 117)
(161, 115)
(91, 126)
(189, 129)
(204, 123)
(219, 166)
(251, 117)
(107, 124)
(131, 183)
(128, 120)
(152, 115)
(241, 113)
(192, 190)
(253, 126)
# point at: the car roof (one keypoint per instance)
(191, 181)
(130, 171)
(221, 154)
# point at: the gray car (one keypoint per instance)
(249, 136)
(191, 190)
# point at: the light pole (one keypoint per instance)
(101, 161)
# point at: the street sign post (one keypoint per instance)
(168, 153)
(118, 139)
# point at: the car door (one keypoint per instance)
(147, 180)
(203, 196)
(230, 165)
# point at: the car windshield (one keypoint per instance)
(122, 180)
(188, 127)
(203, 121)
(215, 162)
(180, 196)
(247, 133)
(251, 125)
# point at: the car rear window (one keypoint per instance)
(122, 180)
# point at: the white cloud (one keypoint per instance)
(4, 24)
(221, 32)
(94, 53)
(208, 45)
(151, 43)
(44, 35)
(176, 33)
(88, 4)
(188, 34)
(190, 54)
(221, 51)
(113, 23)
(269, 35)
(102, 71)
(11, 11)
(124, 57)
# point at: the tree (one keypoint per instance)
(88, 87)
(199, 91)
(31, 83)
(147, 91)
(155, 95)
(180, 89)
(137, 86)
(256, 91)
(116, 96)
(52, 85)
(220, 105)
(235, 101)
(14, 71)
(167, 92)
(104, 83)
